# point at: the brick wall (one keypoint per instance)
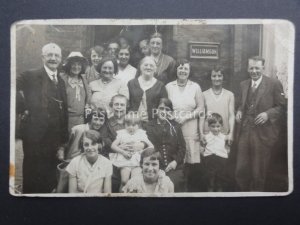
(237, 43)
(31, 39)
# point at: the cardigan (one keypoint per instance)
(153, 96)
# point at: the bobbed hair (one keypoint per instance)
(98, 49)
(108, 59)
(154, 155)
(92, 135)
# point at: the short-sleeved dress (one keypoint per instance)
(218, 104)
(124, 137)
(90, 178)
(185, 102)
(103, 92)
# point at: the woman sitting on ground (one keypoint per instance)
(90, 172)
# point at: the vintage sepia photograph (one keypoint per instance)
(151, 108)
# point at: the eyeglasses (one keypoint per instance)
(119, 104)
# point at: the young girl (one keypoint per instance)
(90, 172)
(127, 158)
(215, 153)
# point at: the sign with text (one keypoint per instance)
(203, 50)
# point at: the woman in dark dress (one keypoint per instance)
(166, 135)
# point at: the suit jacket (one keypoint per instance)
(33, 85)
(269, 99)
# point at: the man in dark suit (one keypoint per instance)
(262, 104)
(45, 121)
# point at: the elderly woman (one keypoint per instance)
(166, 135)
(90, 172)
(152, 180)
(78, 92)
(188, 102)
(126, 72)
(145, 91)
(221, 101)
(107, 86)
(94, 54)
(164, 64)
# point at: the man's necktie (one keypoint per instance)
(54, 80)
(253, 88)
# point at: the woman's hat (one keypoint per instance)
(75, 55)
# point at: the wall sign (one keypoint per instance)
(204, 50)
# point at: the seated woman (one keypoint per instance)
(152, 179)
(96, 120)
(128, 159)
(107, 86)
(119, 106)
(166, 135)
(90, 172)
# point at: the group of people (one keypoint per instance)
(148, 129)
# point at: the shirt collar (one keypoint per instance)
(50, 73)
(256, 82)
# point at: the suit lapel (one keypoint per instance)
(261, 90)
(43, 79)
(245, 92)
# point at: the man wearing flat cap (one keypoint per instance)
(45, 121)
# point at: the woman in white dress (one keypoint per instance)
(188, 102)
(221, 101)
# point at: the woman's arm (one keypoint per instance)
(115, 147)
(199, 112)
(72, 184)
(107, 185)
(124, 90)
(231, 119)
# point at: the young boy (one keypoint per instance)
(215, 153)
